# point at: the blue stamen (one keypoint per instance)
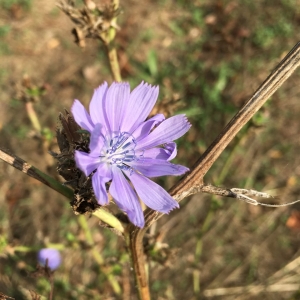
(120, 148)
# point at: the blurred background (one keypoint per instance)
(208, 57)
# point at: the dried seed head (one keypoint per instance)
(70, 137)
(91, 21)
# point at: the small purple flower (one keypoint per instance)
(53, 257)
(125, 148)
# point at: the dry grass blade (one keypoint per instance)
(252, 289)
(4, 297)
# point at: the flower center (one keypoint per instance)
(120, 149)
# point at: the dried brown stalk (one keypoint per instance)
(192, 182)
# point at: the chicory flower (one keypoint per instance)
(51, 255)
(127, 149)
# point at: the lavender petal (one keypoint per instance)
(140, 104)
(167, 131)
(126, 198)
(99, 188)
(97, 105)
(81, 116)
(104, 170)
(86, 163)
(167, 152)
(144, 129)
(97, 140)
(157, 167)
(153, 195)
(116, 104)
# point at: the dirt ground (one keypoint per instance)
(208, 58)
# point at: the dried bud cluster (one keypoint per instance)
(91, 21)
(26, 91)
(70, 137)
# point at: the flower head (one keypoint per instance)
(125, 147)
(51, 256)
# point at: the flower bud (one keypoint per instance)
(53, 257)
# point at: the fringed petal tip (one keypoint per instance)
(103, 85)
(172, 208)
(118, 84)
(186, 120)
(100, 91)
(167, 131)
(147, 85)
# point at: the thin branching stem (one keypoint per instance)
(134, 243)
(33, 116)
(194, 179)
(192, 182)
(113, 62)
(98, 257)
(31, 171)
(111, 48)
(35, 173)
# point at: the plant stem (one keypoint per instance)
(35, 173)
(98, 257)
(52, 287)
(113, 62)
(31, 171)
(192, 182)
(33, 117)
(111, 49)
(134, 241)
(109, 219)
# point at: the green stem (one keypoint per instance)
(113, 62)
(55, 185)
(109, 219)
(33, 117)
(31, 171)
(98, 257)
(108, 39)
